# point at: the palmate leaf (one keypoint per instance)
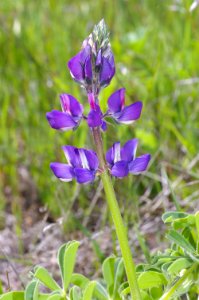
(180, 241)
(170, 216)
(79, 280)
(100, 292)
(55, 297)
(74, 293)
(13, 296)
(43, 275)
(178, 265)
(66, 258)
(108, 268)
(89, 290)
(151, 279)
(119, 274)
(32, 290)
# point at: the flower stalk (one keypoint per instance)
(117, 218)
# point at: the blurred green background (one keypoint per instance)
(156, 48)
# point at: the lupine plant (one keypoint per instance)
(93, 68)
(171, 273)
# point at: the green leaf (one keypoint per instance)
(54, 297)
(179, 265)
(43, 275)
(79, 280)
(69, 259)
(88, 292)
(165, 267)
(66, 259)
(31, 291)
(15, 295)
(75, 293)
(170, 216)
(156, 292)
(125, 291)
(100, 292)
(108, 267)
(179, 240)
(151, 279)
(119, 274)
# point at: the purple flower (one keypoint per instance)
(122, 160)
(120, 112)
(95, 118)
(82, 165)
(106, 67)
(69, 117)
(80, 65)
(88, 66)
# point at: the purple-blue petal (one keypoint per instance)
(62, 171)
(128, 151)
(107, 71)
(72, 156)
(130, 113)
(104, 126)
(92, 159)
(116, 101)
(113, 154)
(76, 64)
(71, 106)
(120, 169)
(88, 68)
(60, 120)
(94, 118)
(76, 68)
(139, 164)
(84, 175)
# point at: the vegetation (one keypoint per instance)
(156, 49)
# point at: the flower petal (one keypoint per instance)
(104, 126)
(92, 159)
(128, 151)
(116, 101)
(84, 175)
(139, 164)
(76, 68)
(88, 68)
(71, 106)
(62, 171)
(130, 113)
(72, 156)
(76, 64)
(94, 118)
(99, 58)
(120, 169)
(60, 120)
(107, 71)
(113, 154)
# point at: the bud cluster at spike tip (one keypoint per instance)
(94, 65)
(93, 68)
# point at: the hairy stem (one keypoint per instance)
(117, 218)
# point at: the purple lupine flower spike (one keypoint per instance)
(82, 165)
(120, 112)
(122, 160)
(70, 117)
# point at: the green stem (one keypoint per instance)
(174, 288)
(117, 219)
